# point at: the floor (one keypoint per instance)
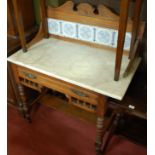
(55, 133)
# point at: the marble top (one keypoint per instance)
(82, 65)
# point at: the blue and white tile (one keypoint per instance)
(69, 29)
(115, 38)
(127, 41)
(54, 26)
(104, 36)
(86, 33)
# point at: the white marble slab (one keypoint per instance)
(81, 65)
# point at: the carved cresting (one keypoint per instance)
(23, 102)
(94, 6)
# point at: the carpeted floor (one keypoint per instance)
(54, 133)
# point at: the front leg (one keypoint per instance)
(100, 131)
(24, 102)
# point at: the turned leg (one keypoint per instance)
(20, 107)
(100, 128)
(13, 83)
(112, 130)
(99, 134)
(23, 103)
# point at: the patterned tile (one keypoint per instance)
(127, 41)
(85, 33)
(104, 36)
(54, 26)
(69, 29)
(115, 38)
(88, 33)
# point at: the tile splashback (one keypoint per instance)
(93, 34)
(85, 32)
(68, 29)
(54, 26)
(104, 36)
(127, 41)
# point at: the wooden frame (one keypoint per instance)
(105, 18)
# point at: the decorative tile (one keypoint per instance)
(115, 38)
(85, 33)
(104, 36)
(127, 41)
(54, 26)
(88, 33)
(69, 29)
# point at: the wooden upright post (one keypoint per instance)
(20, 26)
(136, 24)
(124, 8)
(43, 15)
(43, 30)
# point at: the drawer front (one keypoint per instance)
(58, 85)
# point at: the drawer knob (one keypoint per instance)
(29, 75)
(79, 93)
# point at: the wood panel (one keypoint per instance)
(85, 15)
(58, 85)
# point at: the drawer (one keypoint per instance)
(58, 85)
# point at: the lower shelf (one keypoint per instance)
(63, 106)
